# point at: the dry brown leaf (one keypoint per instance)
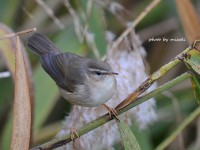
(7, 51)
(189, 19)
(21, 131)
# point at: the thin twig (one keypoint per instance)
(77, 26)
(27, 12)
(88, 36)
(4, 74)
(57, 142)
(17, 33)
(89, 8)
(50, 12)
(90, 39)
(82, 32)
(134, 23)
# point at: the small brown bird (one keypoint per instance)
(81, 81)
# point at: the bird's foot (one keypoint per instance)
(111, 112)
(74, 134)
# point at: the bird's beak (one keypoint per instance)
(112, 73)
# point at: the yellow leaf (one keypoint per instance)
(7, 49)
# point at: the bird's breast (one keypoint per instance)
(91, 94)
(102, 91)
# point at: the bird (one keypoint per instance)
(81, 81)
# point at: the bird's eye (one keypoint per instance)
(98, 73)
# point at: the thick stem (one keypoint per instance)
(155, 76)
(57, 142)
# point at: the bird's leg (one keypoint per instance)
(111, 111)
(73, 132)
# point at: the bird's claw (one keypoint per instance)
(74, 134)
(111, 112)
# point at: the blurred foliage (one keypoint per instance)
(128, 138)
(22, 14)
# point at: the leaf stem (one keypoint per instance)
(57, 142)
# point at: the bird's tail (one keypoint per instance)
(40, 44)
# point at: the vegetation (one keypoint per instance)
(168, 32)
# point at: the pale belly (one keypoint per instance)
(91, 95)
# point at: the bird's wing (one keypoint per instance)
(70, 68)
(64, 69)
(50, 66)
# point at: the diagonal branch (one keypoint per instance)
(155, 76)
(17, 33)
(57, 142)
(135, 22)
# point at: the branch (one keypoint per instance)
(155, 76)
(135, 22)
(17, 33)
(50, 13)
(57, 142)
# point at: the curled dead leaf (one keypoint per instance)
(21, 132)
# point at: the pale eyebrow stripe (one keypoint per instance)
(95, 70)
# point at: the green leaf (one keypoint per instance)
(97, 27)
(6, 132)
(193, 60)
(196, 87)
(127, 137)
